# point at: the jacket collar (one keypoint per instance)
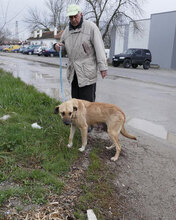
(71, 27)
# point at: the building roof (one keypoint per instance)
(47, 34)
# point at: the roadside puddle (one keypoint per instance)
(44, 80)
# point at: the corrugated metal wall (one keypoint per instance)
(162, 38)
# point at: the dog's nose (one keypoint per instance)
(67, 122)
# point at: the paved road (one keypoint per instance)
(146, 96)
(156, 76)
(161, 77)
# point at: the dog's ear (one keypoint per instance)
(56, 111)
(75, 108)
(75, 104)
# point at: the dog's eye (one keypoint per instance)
(63, 113)
(69, 113)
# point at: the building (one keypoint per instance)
(158, 34)
(45, 38)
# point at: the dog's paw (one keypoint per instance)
(81, 149)
(114, 158)
(69, 145)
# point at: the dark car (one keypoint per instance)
(30, 50)
(22, 49)
(133, 57)
(50, 52)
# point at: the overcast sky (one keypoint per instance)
(17, 9)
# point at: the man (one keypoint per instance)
(86, 54)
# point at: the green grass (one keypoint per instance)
(34, 160)
(97, 189)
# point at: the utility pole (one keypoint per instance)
(16, 31)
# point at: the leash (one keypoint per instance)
(61, 80)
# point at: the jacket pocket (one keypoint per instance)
(70, 71)
(86, 48)
(90, 70)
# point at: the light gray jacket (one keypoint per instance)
(86, 53)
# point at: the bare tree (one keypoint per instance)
(37, 20)
(54, 17)
(5, 21)
(4, 35)
(56, 8)
(106, 13)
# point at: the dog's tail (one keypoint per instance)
(126, 134)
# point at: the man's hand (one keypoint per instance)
(57, 46)
(103, 73)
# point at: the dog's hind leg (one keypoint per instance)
(118, 150)
(113, 134)
(72, 132)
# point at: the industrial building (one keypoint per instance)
(158, 34)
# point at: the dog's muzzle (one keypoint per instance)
(67, 122)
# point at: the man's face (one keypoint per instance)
(74, 20)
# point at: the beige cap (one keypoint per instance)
(73, 10)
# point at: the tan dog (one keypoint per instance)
(81, 114)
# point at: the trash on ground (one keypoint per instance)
(5, 117)
(91, 215)
(35, 125)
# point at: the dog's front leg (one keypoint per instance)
(84, 131)
(72, 132)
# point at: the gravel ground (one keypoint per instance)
(144, 178)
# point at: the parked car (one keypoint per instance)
(30, 49)
(22, 48)
(133, 57)
(50, 52)
(16, 50)
(38, 51)
(10, 48)
(2, 47)
(14, 47)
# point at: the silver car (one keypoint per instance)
(38, 51)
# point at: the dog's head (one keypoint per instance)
(67, 111)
